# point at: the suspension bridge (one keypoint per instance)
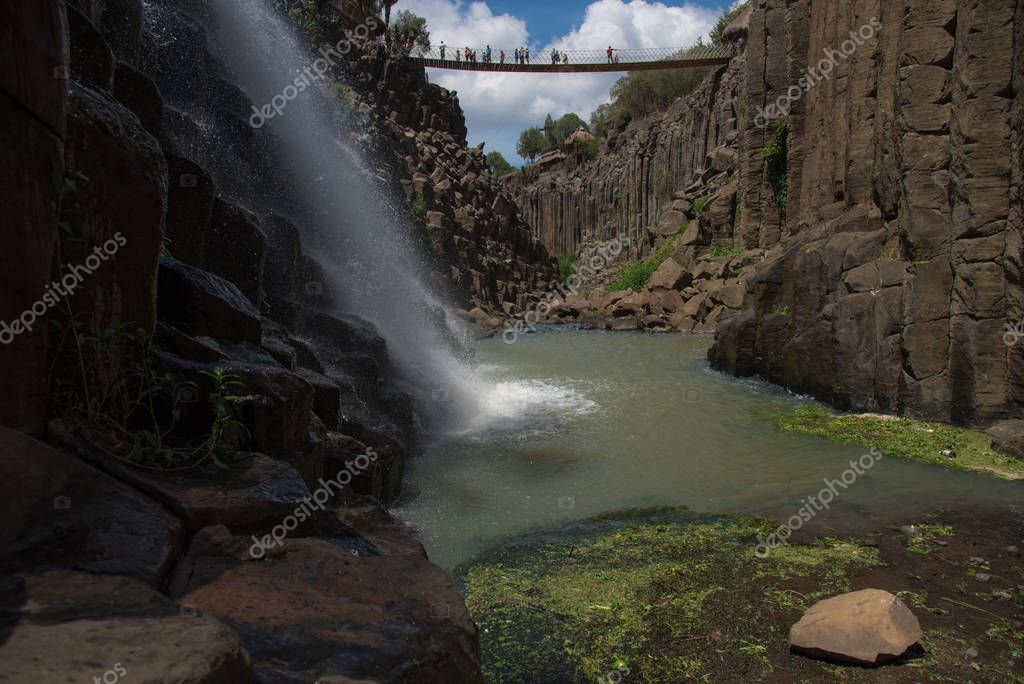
(575, 61)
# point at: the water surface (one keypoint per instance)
(573, 424)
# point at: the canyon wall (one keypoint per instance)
(890, 244)
(189, 419)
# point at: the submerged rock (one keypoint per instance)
(867, 627)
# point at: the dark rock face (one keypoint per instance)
(899, 260)
(482, 250)
(201, 303)
(312, 610)
(888, 278)
(61, 513)
(33, 107)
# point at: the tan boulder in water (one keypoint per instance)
(867, 627)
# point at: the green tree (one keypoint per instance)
(498, 164)
(724, 20)
(532, 143)
(565, 127)
(409, 32)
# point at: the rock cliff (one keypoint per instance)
(862, 162)
(197, 438)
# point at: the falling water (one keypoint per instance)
(368, 259)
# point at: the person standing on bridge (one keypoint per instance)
(442, 50)
(565, 58)
(611, 54)
(487, 54)
(527, 54)
(554, 56)
(501, 56)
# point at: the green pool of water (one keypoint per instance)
(566, 425)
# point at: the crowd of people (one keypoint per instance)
(520, 55)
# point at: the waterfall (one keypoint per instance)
(362, 244)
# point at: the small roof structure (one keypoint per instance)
(738, 27)
(580, 135)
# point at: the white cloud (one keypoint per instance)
(499, 106)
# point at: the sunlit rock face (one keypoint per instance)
(884, 251)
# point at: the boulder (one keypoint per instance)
(867, 627)
(275, 406)
(75, 626)
(670, 276)
(56, 511)
(1008, 437)
(201, 303)
(314, 609)
(251, 493)
(672, 223)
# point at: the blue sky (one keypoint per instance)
(499, 106)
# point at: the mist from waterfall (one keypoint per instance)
(372, 266)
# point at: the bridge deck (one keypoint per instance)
(571, 68)
(577, 61)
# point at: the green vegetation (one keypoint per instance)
(700, 203)
(724, 249)
(725, 20)
(922, 538)
(566, 267)
(533, 142)
(408, 32)
(668, 595)
(419, 205)
(498, 165)
(781, 310)
(904, 438)
(776, 163)
(634, 276)
(642, 93)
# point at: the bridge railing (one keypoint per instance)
(450, 53)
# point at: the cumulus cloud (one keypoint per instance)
(499, 106)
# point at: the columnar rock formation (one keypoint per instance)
(485, 254)
(129, 151)
(890, 269)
